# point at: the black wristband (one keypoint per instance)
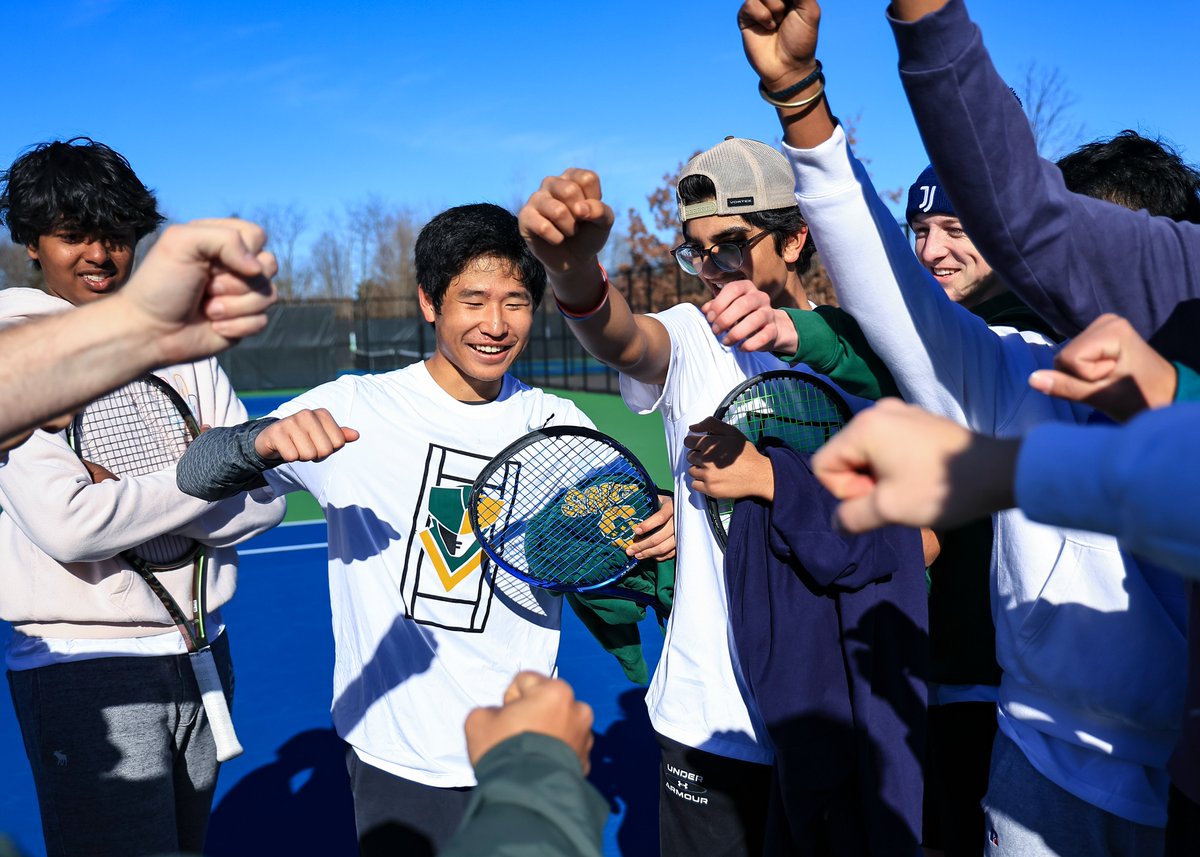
(786, 94)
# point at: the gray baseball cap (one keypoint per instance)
(748, 175)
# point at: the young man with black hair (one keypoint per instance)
(424, 630)
(122, 754)
(717, 778)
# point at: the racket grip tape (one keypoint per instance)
(216, 707)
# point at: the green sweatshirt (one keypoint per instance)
(532, 801)
(831, 342)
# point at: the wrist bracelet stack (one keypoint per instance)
(780, 98)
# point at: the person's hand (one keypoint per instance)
(203, 286)
(99, 472)
(566, 224)
(656, 535)
(741, 314)
(303, 436)
(896, 464)
(1110, 367)
(533, 703)
(780, 39)
(725, 465)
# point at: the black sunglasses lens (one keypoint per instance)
(689, 258)
(727, 257)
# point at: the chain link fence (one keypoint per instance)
(312, 341)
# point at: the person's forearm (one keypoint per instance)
(807, 126)
(612, 333)
(1053, 248)
(933, 348)
(532, 799)
(827, 340)
(223, 462)
(52, 366)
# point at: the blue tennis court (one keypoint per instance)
(288, 793)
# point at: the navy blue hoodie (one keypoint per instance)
(831, 636)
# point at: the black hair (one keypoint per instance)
(1136, 172)
(458, 236)
(780, 222)
(77, 185)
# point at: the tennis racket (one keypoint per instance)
(557, 509)
(801, 410)
(141, 428)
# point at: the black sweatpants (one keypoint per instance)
(710, 806)
(395, 816)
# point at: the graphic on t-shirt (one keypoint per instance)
(449, 543)
(444, 580)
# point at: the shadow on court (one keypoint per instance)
(625, 762)
(298, 804)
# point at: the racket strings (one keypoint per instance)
(800, 414)
(561, 511)
(133, 431)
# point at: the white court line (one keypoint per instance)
(311, 523)
(283, 548)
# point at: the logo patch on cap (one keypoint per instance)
(927, 194)
(739, 201)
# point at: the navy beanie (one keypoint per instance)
(926, 196)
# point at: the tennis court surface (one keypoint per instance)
(288, 793)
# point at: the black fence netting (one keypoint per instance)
(311, 341)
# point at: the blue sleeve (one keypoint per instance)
(1068, 256)
(1139, 482)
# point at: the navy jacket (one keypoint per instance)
(831, 636)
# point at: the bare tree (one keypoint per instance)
(331, 264)
(284, 226)
(1047, 103)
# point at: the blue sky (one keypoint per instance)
(223, 107)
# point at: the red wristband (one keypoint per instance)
(574, 315)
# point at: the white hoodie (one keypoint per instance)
(61, 575)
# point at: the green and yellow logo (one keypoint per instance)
(449, 542)
(616, 520)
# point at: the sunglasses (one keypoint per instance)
(726, 255)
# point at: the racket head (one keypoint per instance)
(140, 428)
(557, 507)
(801, 410)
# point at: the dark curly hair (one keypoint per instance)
(451, 241)
(1136, 172)
(78, 185)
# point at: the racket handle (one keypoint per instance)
(216, 707)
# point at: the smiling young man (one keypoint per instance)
(745, 238)
(121, 752)
(424, 632)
